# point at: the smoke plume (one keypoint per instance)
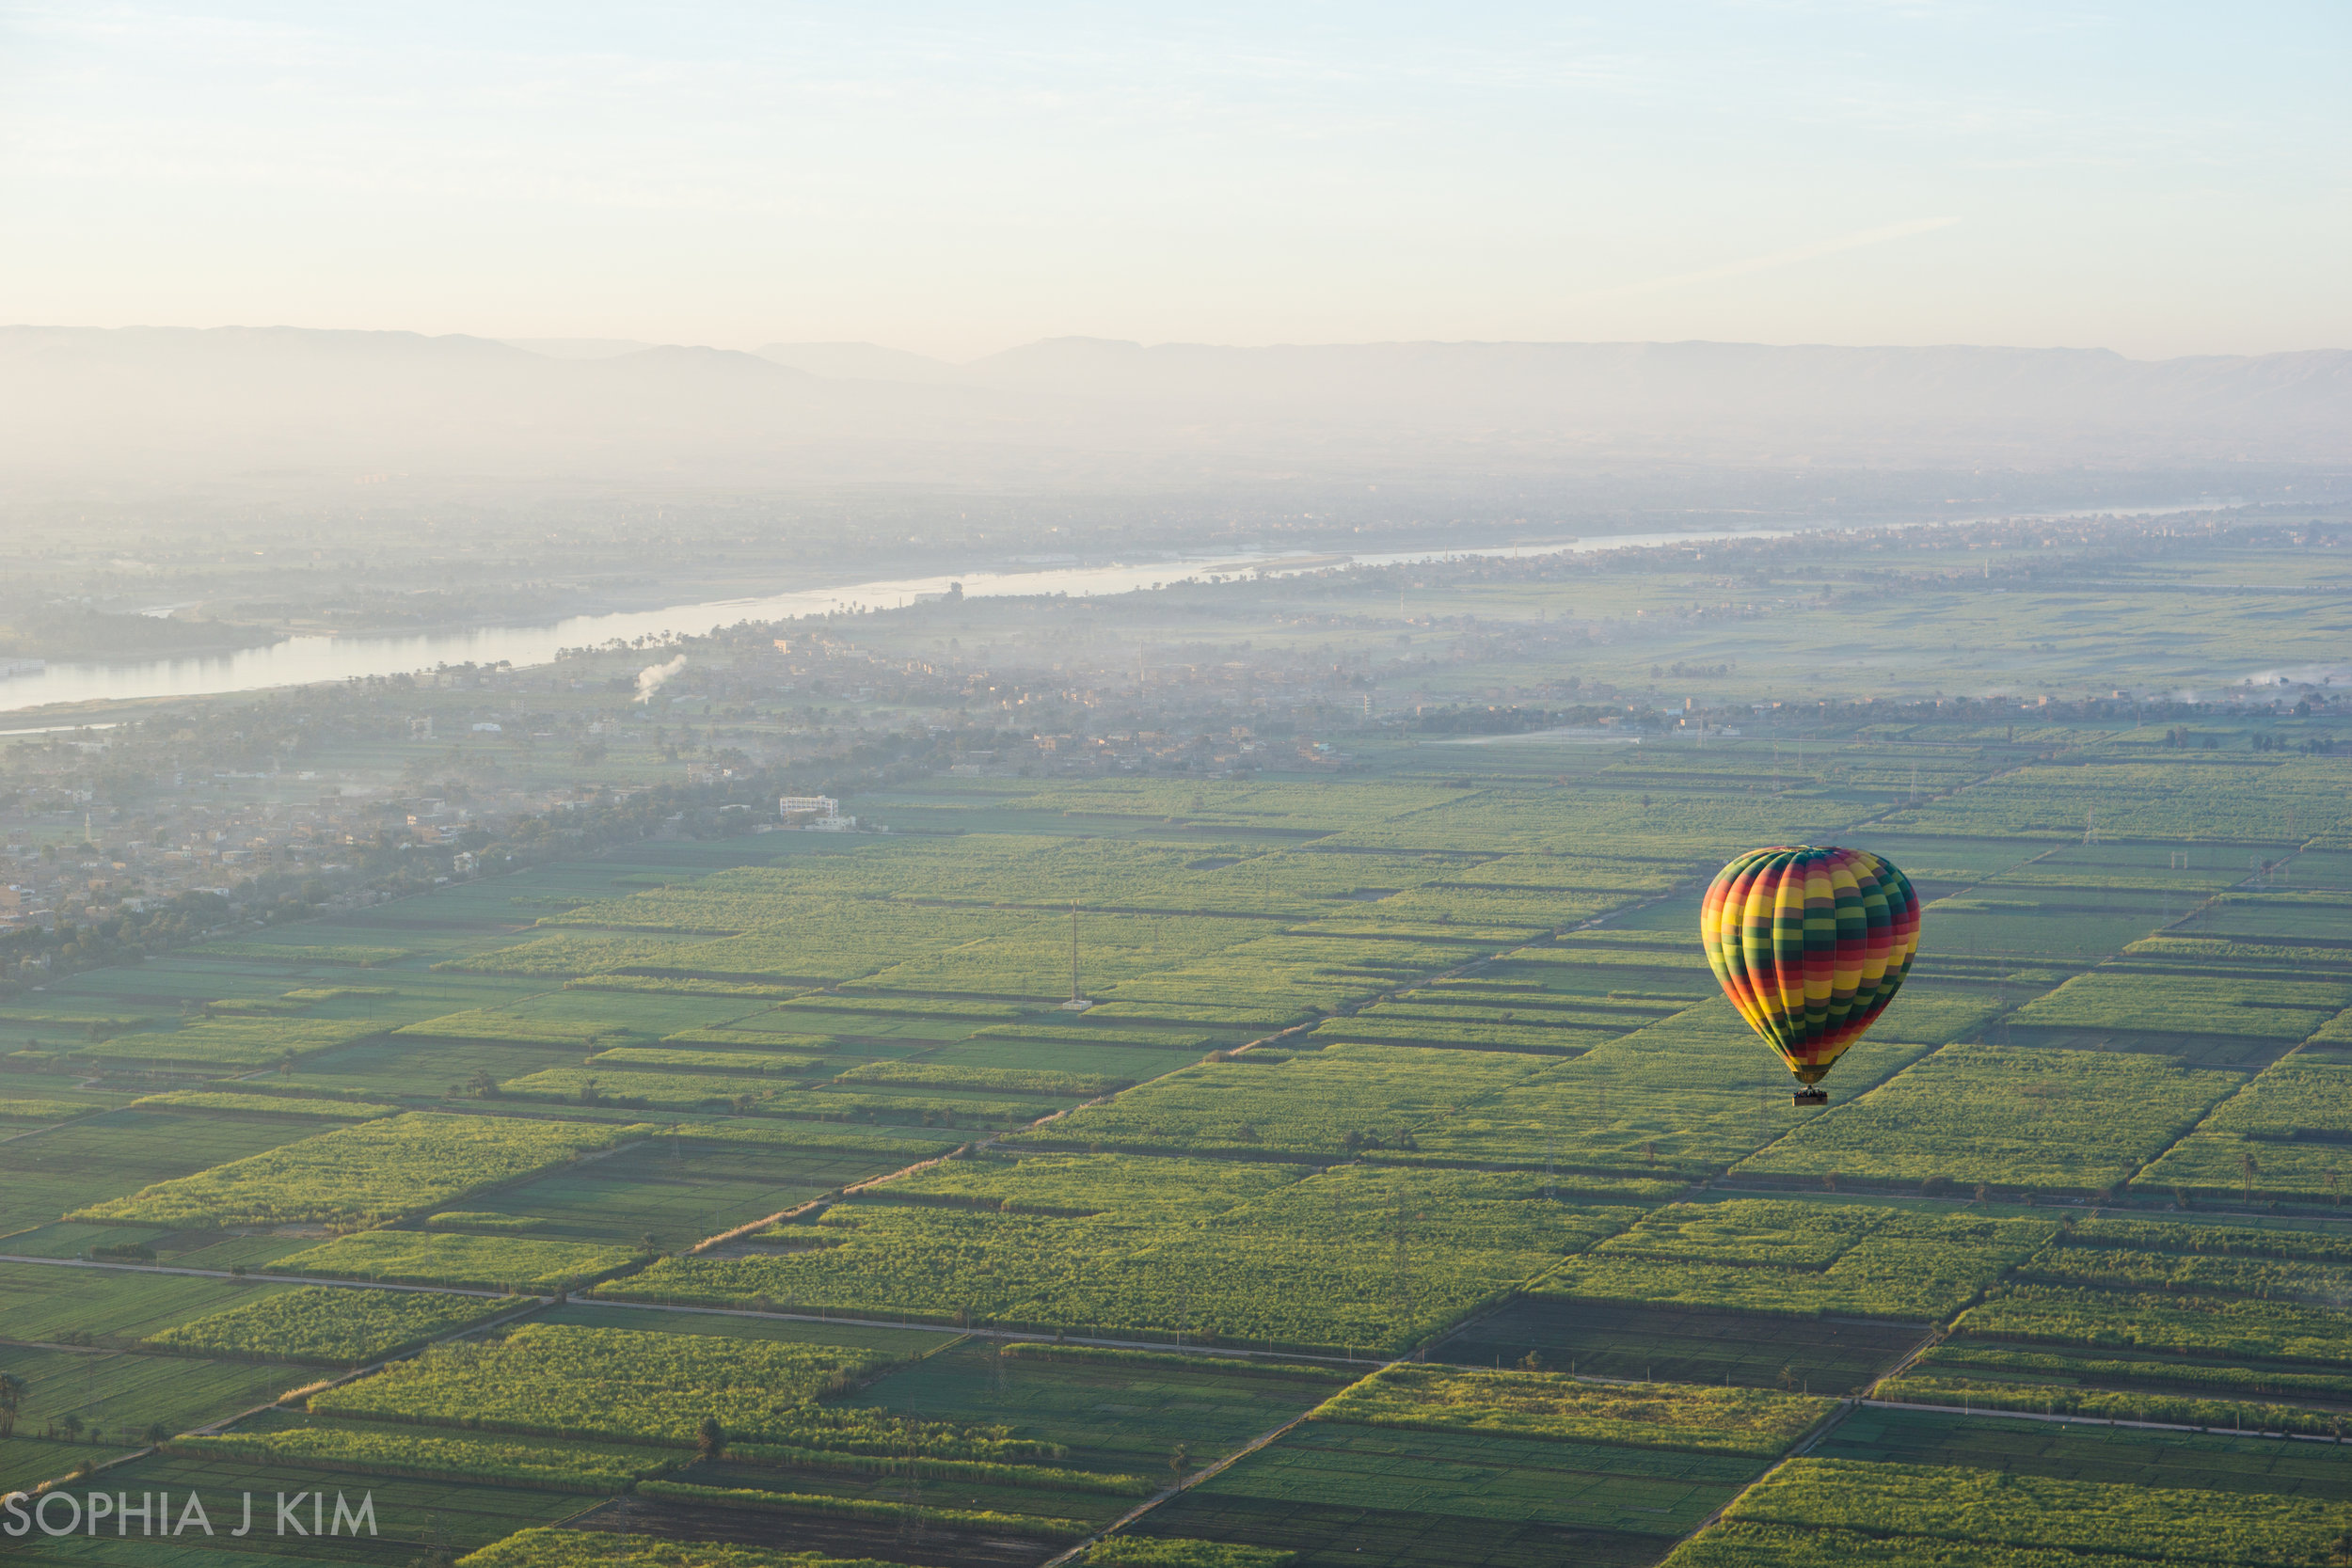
(649, 679)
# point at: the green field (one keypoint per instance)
(375, 1170)
(320, 1323)
(1830, 1498)
(116, 1398)
(2007, 1118)
(2090, 1451)
(1108, 1412)
(43, 1303)
(1561, 1408)
(679, 1191)
(490, 1263)
(573, 1548)
(1335, 1493)
(1802, 1259)
(413, 1517)
(1803, 1354)
(1244, 1253)
(86, 1161)
(1544, 1154)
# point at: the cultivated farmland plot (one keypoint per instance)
(1834, 1500)
(2007, 1118)
(375, 1170)
(2283, 1134)
(1802, 1259)
(318, 1322)
(1508, 1164)
(1333, 1492)
(1239, 1252)
(113, 1155)
(2087, 1452)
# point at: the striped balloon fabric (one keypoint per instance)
(1810, 945)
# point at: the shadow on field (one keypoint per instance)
(928, 1545)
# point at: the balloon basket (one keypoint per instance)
(1809, 1097)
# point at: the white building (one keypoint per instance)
(822, 811)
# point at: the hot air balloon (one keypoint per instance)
(1810, 944)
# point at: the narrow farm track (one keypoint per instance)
(1196, 1479)
(1206, 1399)
(253, 1278)
(222, 1423)
(1979, 1411)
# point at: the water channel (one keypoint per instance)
(300, 660)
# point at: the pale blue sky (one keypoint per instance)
(2159, 179)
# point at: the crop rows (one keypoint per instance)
(669, 1091)
(492, 1262)
(2232, 799)
(1787, 1257)
(1991, 1358)
(52, 1110)
(2287, 1133)
(550, 1381)
(542, 1547)
(688, 985)
(2232, 1327)
(652, 1059)
(1325, 1102)
(1554, 1406)
(321, 1322)
(556, 957)
(749, 1039)
(2122, 1269)
(420, 1456)
(482, 1023)
(1243, 1253)
(2106, 1404)
(2066, 1121)
(374, 1171)
(232, 1042)
(1001, 1080)
(254, 1104)
(2128, 998)
(1952, 1505)
(361, 955)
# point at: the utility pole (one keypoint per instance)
(1077, 1002)
(1404, 1269)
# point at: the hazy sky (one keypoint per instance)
(2159, 178)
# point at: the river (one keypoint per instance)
(301, 660)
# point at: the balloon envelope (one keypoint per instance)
(1810, 944)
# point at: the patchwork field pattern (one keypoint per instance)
(714, 1178)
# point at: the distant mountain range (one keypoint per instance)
(181, 406)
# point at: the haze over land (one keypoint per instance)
(113, 412)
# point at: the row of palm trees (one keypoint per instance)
(70, 1426)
